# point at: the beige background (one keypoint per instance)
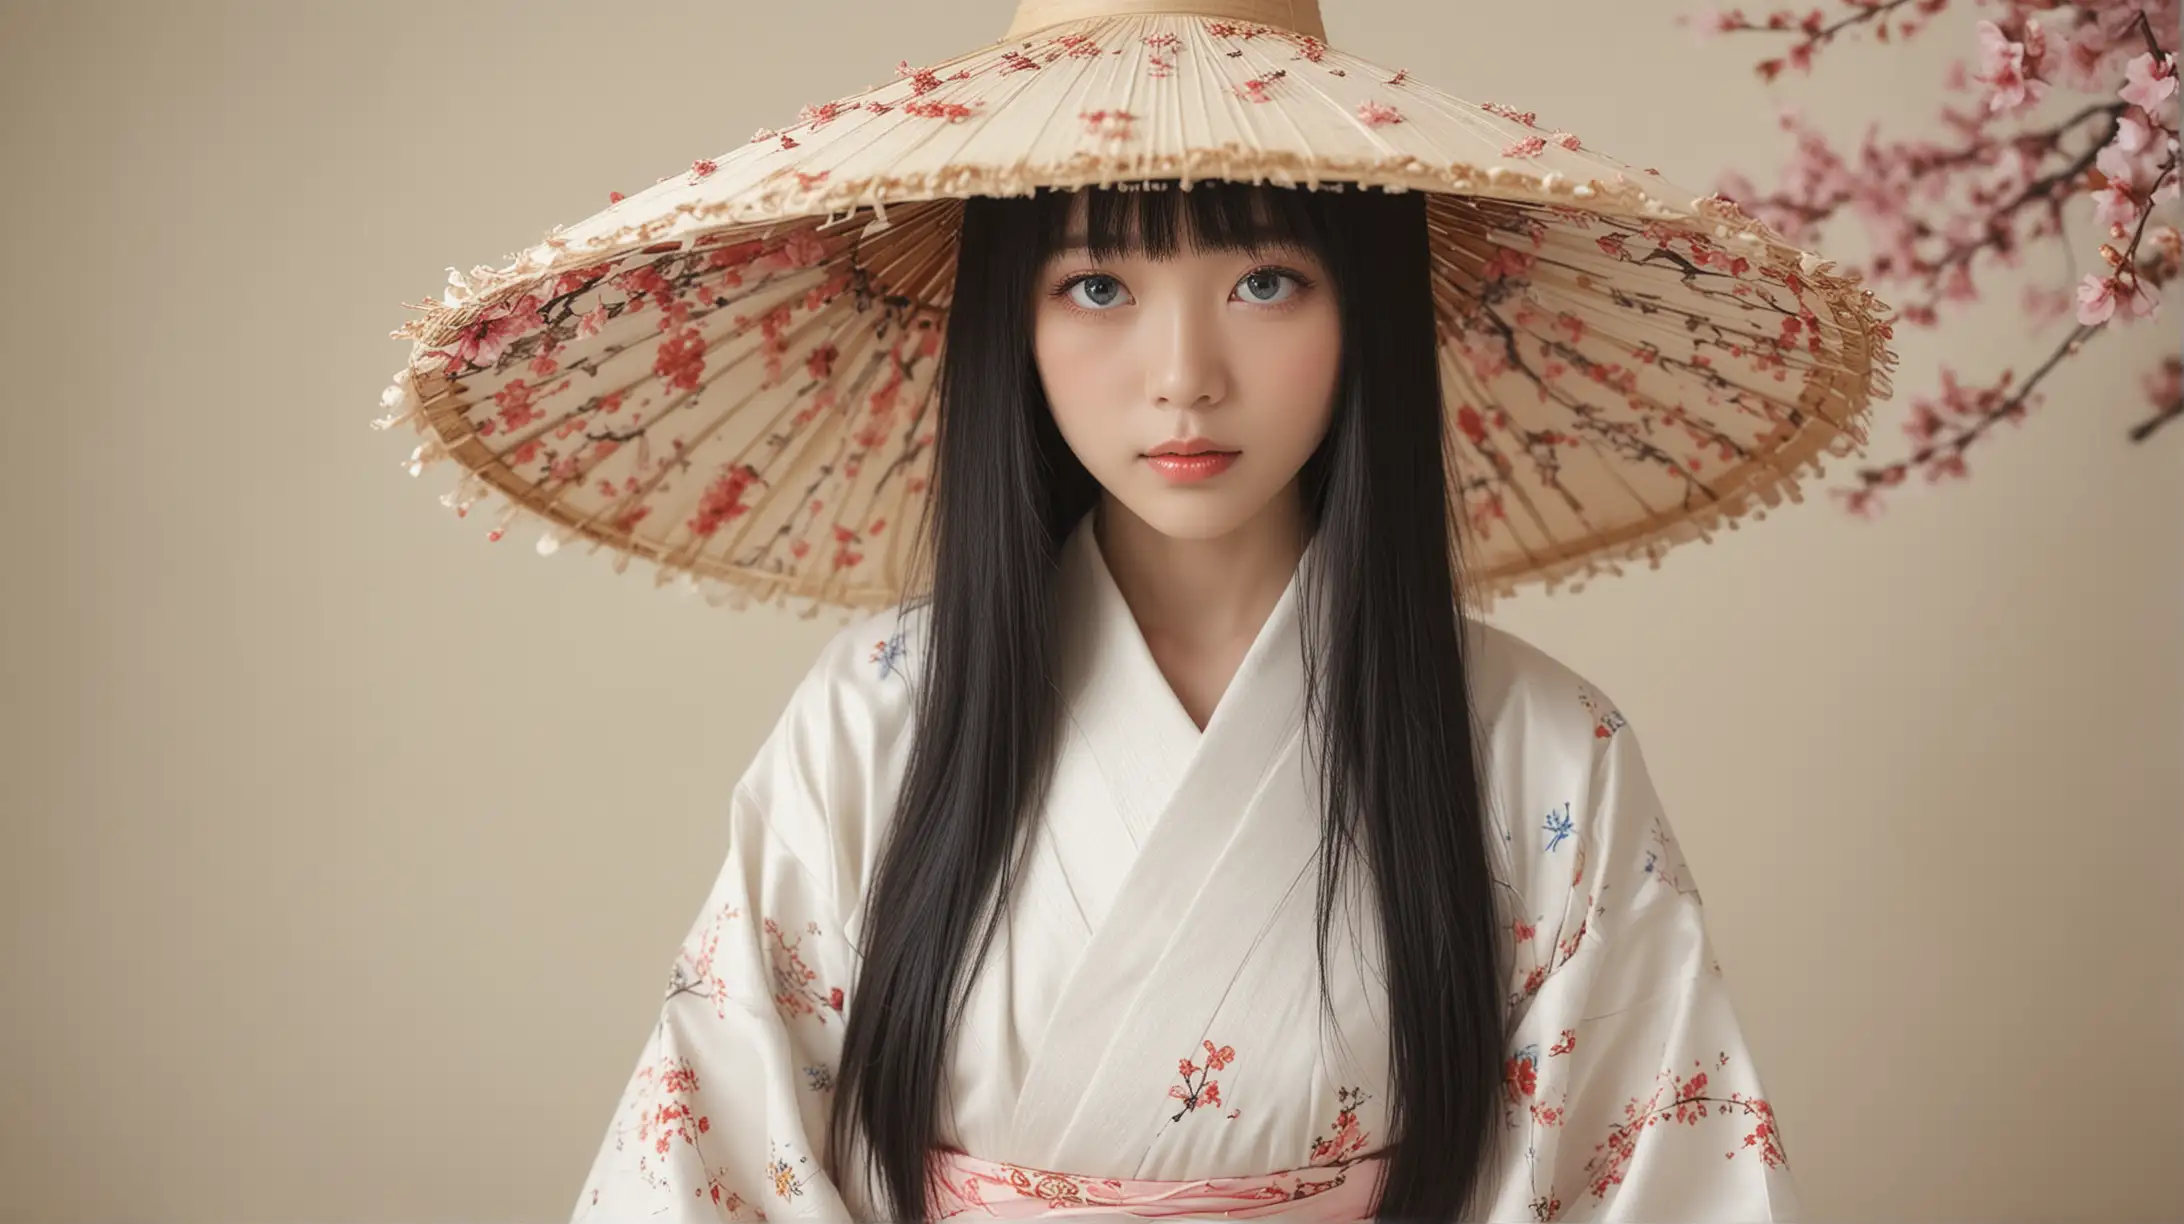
(345, 853)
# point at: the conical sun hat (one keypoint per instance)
(732, 373)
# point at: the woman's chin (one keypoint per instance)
(1189, 512)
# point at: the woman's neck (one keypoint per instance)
(1201, 592)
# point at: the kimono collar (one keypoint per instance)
(1106, 657)
(1116, 697)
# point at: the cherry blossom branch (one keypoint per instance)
(1942, 211)
(2169, 412)
(1817, 32)
(1945, 457)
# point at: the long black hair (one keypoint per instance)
(1388, 704)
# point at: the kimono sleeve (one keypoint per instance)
(724, 1116)
(1630, 1087)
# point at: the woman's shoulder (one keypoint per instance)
(858, 699)
(872, 657)
(827, 775)
(1517, 686)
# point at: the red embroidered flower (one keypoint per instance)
(1522, 1077)
(1203, 1090)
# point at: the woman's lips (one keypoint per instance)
(1183, 469)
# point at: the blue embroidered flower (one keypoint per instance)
(1559, 825)
(887, 654)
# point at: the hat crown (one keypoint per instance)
(1302, 16)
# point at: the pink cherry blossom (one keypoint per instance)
(2132, 134)
(2137, 174)
(2140, 303)
(2011, 67)
(2101, 298)
(2149, 84)
(2083, 63)
(2114, 204)
(2096, 299)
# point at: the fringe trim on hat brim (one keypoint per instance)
(1759, 485)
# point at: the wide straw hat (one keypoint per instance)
(732, 373)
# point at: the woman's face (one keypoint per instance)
(1238, 351)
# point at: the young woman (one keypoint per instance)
(1187, 851)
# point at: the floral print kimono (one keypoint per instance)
(1146, 1037)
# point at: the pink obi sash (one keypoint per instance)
(967, 1187)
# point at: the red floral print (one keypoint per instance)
(822, 114)
(794, 994)
(1203, 1090)
(1348, 1138)
(1683, 1102)
(953, 112)
(680, 359)
(1108, 124)
(1255, 89)
(1527, 118)
(723, 499)
(922, 80)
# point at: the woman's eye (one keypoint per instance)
(1266, 282)
(1103, 291)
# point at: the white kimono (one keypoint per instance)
(1149, 1010)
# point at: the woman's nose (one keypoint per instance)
(1185, 364)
